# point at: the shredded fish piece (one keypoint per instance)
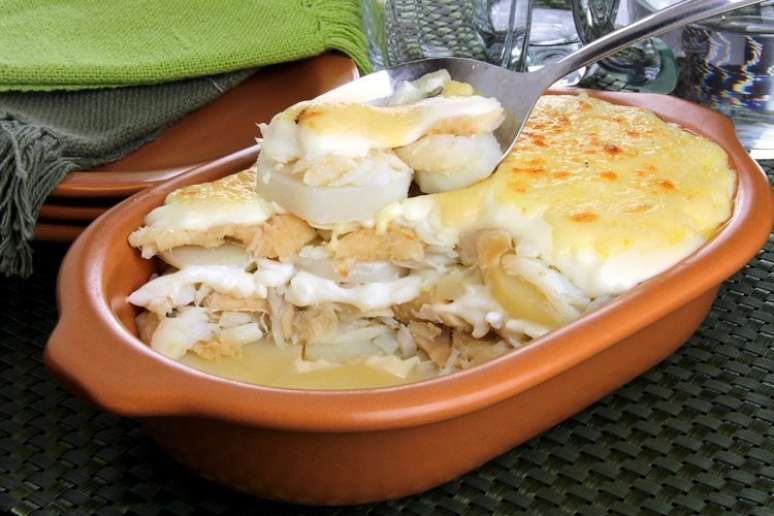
(314, 323)
(472, 351)
(370, 245)
(282, 236)
(216, 349)
(226, 303)
(433, 340)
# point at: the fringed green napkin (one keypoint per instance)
(77, 44)
(43, 136)
(87, 44)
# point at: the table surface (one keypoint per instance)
(694, 435)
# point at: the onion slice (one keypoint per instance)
(323, 206)
(188, 255)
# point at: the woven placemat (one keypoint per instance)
(695, 435)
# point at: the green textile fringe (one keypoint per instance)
(31, 165)
(340, 26)
(92, 97)
(43, 136)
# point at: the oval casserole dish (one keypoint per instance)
(346, 447)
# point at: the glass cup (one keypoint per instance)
(553, 36)
(728, 66)
(636, 9)
(646, 66)
(405, 30)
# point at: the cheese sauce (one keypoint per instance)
(266, 364)
(609, 195)
(231, 200)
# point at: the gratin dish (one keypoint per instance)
(345, 447)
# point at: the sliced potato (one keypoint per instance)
(226, 254)
(520, 298)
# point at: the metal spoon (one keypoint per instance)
(518, 91)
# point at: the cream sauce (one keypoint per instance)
(263, 363)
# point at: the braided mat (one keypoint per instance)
(695, 435)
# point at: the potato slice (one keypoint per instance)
(520, 298)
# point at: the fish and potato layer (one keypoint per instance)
(593, 199)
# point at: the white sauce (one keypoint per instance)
(203, 215)
(597, 276)
(162, 294)
(307, 289)
(272, 273)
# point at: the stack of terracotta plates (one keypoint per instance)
(215, 130)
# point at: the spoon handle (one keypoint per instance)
(665, 20)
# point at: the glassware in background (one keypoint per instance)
(729, 66)
(553, 36)
(405, 30)
(646, 66)
(504, 26)
(636, 9)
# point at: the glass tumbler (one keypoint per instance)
(646, 66)
(553, 36)
(729, 66)
(405, 30)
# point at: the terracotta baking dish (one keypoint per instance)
(345, 447)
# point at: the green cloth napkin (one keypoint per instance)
(43, 136)
(76, 44)
(87, 44)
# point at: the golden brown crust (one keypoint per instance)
(234, 187)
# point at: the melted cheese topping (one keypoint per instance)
(354, 129)
(230, 200)
(609, 195)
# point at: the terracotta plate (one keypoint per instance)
(63, 212)
(340, 447)
(47, 231)
(219, 128)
